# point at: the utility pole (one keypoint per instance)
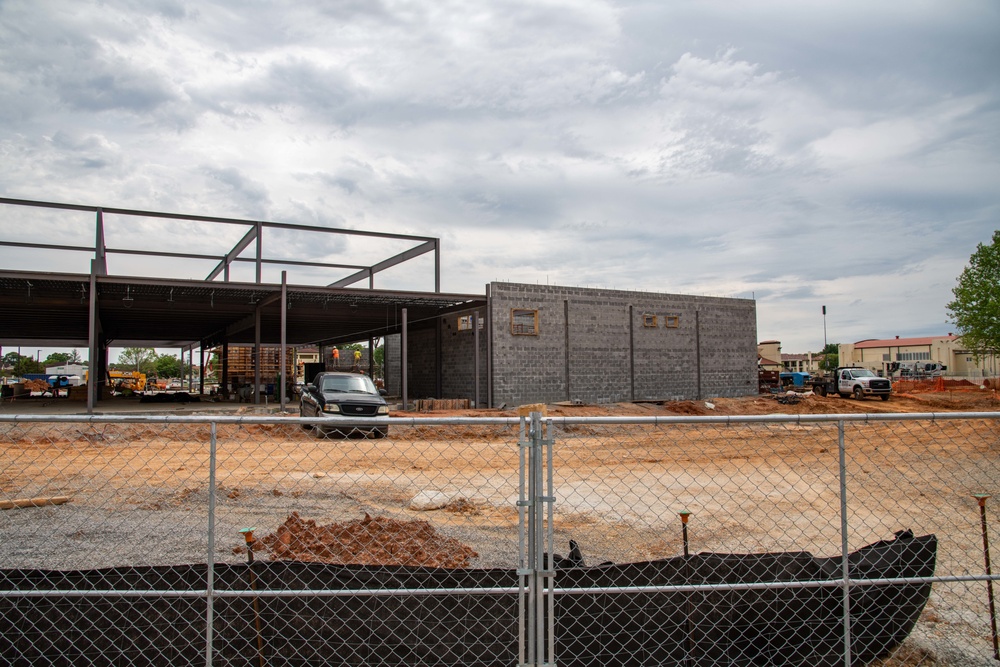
(824, 328)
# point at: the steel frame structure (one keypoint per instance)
(97, 308)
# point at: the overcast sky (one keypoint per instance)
(799, 153)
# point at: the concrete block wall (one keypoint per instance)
(458, 352)
(422, 364)
(458, 363)
(393, 364)
(532, 369)
(594, 346)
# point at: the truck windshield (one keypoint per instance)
(862, 373)
(357, 384)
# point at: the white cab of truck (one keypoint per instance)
(860, 382)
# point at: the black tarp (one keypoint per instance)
(377, 619)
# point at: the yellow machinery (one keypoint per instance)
(120, 381)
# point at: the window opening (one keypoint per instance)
(523, 322)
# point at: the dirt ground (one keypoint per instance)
(789, 403)
(418, 464)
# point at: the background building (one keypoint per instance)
(549, 344)
(948, 351)
(771, 358)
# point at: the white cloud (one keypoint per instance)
(807, 154)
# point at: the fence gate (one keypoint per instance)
(536, 573)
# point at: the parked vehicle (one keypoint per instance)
(918, 369)
(850, 381)
(345, 404)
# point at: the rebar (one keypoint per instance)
(981, 499)
(248, 536)
(684, 529)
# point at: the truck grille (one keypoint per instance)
(880, 384)
(358, 409)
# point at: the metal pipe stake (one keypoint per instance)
(684, 529)
(981, 498)
(248, 536)
(688, 607)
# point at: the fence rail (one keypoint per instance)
(710, 540)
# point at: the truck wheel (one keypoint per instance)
(302, 413)
(820, 390)
(885, 397)
(858, 393)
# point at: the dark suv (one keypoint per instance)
(345, 404)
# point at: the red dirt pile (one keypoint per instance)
(368, 541)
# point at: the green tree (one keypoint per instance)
(10, 360)
(140, 359)
(976, 308)
(167, 366)
(20, 364)
(56, 359)
(831, 357)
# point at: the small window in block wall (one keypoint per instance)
(672, 321)
(650, 321)
(465, 323)
(523, 322)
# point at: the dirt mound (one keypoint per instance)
(368, 541)
(687, 408)
(37, 385)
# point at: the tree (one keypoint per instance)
(56, 359)
(976, 308)
(167, 366)
(20, 364)
(10, 359)
(831, 357)
(138, 359)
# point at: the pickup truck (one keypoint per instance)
(857, 382)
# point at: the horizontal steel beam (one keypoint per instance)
(207, 218)
(421, 249)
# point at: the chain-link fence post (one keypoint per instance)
(210, 551)
(844, 565)
(536, 571)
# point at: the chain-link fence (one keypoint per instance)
(467, 541)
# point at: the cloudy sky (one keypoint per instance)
(800, 153)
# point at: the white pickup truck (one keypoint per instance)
(856, 382)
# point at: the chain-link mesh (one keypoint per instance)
(125, 541)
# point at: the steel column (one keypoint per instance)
(403, 359)
(284, 338)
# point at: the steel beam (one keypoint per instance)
(417, 251)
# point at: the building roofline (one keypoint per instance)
(903, 342)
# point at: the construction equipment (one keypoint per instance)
(122, 381)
